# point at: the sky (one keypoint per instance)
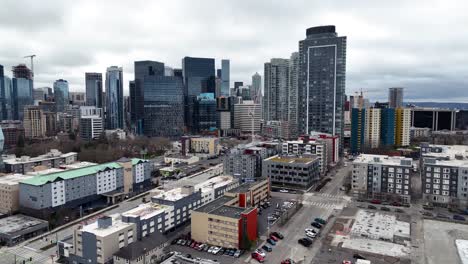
(419, 45)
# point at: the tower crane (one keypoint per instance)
(32, 63)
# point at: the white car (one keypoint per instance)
(310, 230)
(260, 252)
(283, 191)
(215, 250)
(310, 234)
(210, 250)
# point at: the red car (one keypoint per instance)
(274, 238)
(287, 261)
(258, 257)
(396, 204)
(375, 201)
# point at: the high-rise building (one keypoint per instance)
(94, 89)
(293, 99)
(322, 79)
(199, 77)
(256, 93)
(225, 77)
(50, 123)
(114, 100)
(61, 95)
(22, 92)
(243, 115)
(387, 126)
(395, 97)
(34, 122)
(5, 95)
(402, 126)
(358, 126)
(276, 92)
(78, 98)
(372, 128)
(91, 122)
(205, 115)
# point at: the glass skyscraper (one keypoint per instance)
(22, 92)
(93, 89)
(276, 93)
(61, 95)
(322, 77)
(225, 78)
(205, 113)
(114, 98)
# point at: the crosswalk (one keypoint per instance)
(21, 253)
(324, 204)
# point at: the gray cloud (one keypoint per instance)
(420, 46)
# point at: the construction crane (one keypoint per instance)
(32, 63)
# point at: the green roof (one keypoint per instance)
(136, 161)
(70, 174)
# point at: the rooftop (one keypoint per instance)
(384, 159)
(379, 226)
(455, 155)
(19, 222)
(219, 207)
(70, 174)
(13, 179)
(138, 248)
(117, 225)
(293, 159)
(244, 187)
(145, 211)
(53, 154)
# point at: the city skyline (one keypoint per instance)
(381, 54)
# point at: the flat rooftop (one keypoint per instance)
(219, 207)
(384, 159)
(117, 225)
(293, 159)
(13, 179)
(16, 223)
(379, 226)
(145, 211)
(54, 154)
(245, 187)
(448, 152)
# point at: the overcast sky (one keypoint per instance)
(420, 45)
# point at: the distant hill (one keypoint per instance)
(463, 106)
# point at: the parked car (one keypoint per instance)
(396, 204)
(376, 201)
(429, 214)
(278, 235)
(274, 238)
(238, 253)
(283, 191)
(210, 249)
(215, 250)
(267, 248)
(398, 210)
(317, 225)
(271, 241)
(221, 251)
(304, 242)
(386, 209)
(310, 234)
(371, 207)
(287, 261)
(458, 217)
(232, 252)
(320, 221)
(258, 257)
(442, 216)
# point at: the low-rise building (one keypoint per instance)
(116, 133)
(180, 159)
(245, 163)
(200, 145)
(91, 122)
(99, 241)
(147, 250)
(309, 146)
(12, 131)
(17, 228)
(9, 192)
(419, 132)
(24, 164)
(444, 175)
(251, 194)
(292, 171)
(382, 177)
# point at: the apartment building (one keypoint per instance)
(251, 194)
(444, 175)
(99, 241)
(34, 122)
(9, 192)
(402, 126)
(382, 177)
(372, 128)
(245, 163)
(308, 146)
(52, 159)
(200, 145)
(292, 171)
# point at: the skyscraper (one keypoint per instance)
(225, 77)
(358, 125)
(372, 128)
(387, 133)
(22, 92)
(205, 113)
(276, 92)
(402, 126)
(156, 101)
(293, 88)
(395, 97)
(94, 89)
(61, 95)
(199, 77)
(322, 65)
(256, 87)
(114, 98)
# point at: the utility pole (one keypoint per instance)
(32, 63)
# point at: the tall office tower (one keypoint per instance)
(256, 93)
(199, 77)
(205, 115)
(243, 115)
(94, 89)
(91, 122)
(218, 85)
(358, 126)
(225, 77)
(114, 98)
(276, 92)
(7, 103)
(293, 88)
(34, 122)
(395, 97)
(402, 126)
(372, 128)
(22, 92)
(387, 126)
(50, 123)
(3, 95)
(61, 95)
(156, 101)
(322, 78)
